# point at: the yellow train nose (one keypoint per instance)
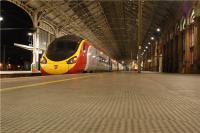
(55, 68)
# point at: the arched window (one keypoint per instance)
(182, 27)
(182, 24)
(191, 35)
(191, 17)
(191, 29)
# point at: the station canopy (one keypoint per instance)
(111, 25)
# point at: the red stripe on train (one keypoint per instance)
(43, 73)
(82, 60)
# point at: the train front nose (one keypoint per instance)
(51, 67)
(54, 68)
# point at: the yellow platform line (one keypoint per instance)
(43, 83)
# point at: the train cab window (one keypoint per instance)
(61, 49)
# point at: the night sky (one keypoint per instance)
(14, 28)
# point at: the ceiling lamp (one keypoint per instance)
(1, 18)
(30, 34)
(158, 29)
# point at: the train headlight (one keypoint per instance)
(72, 60)
(43, 60)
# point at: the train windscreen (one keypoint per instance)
(61, 49)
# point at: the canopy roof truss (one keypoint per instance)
(110, 25)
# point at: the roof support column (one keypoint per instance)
(35, 63)
(139, 34)
(197, 42)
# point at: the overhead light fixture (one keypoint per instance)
(158, 29)
(144, 50)
(152, 38)
(146, 47)
(1, 18)
(149, 43)
(30, 34)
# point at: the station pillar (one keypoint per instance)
(197, 45)
(139, 35)
(35, 63)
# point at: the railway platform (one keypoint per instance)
(121, 102)
(11, 74)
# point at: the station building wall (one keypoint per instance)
(178, 48)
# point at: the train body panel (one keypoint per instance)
(96, 60)
(101, 61)
(91, 59)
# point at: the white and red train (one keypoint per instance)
(72, 54)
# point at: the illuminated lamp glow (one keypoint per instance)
(158, 29)
(9, 66)
(30, 34)
(1, 18)
(72, 60)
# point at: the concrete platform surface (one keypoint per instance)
(14, 72)
(101, 103)
(11, 74)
